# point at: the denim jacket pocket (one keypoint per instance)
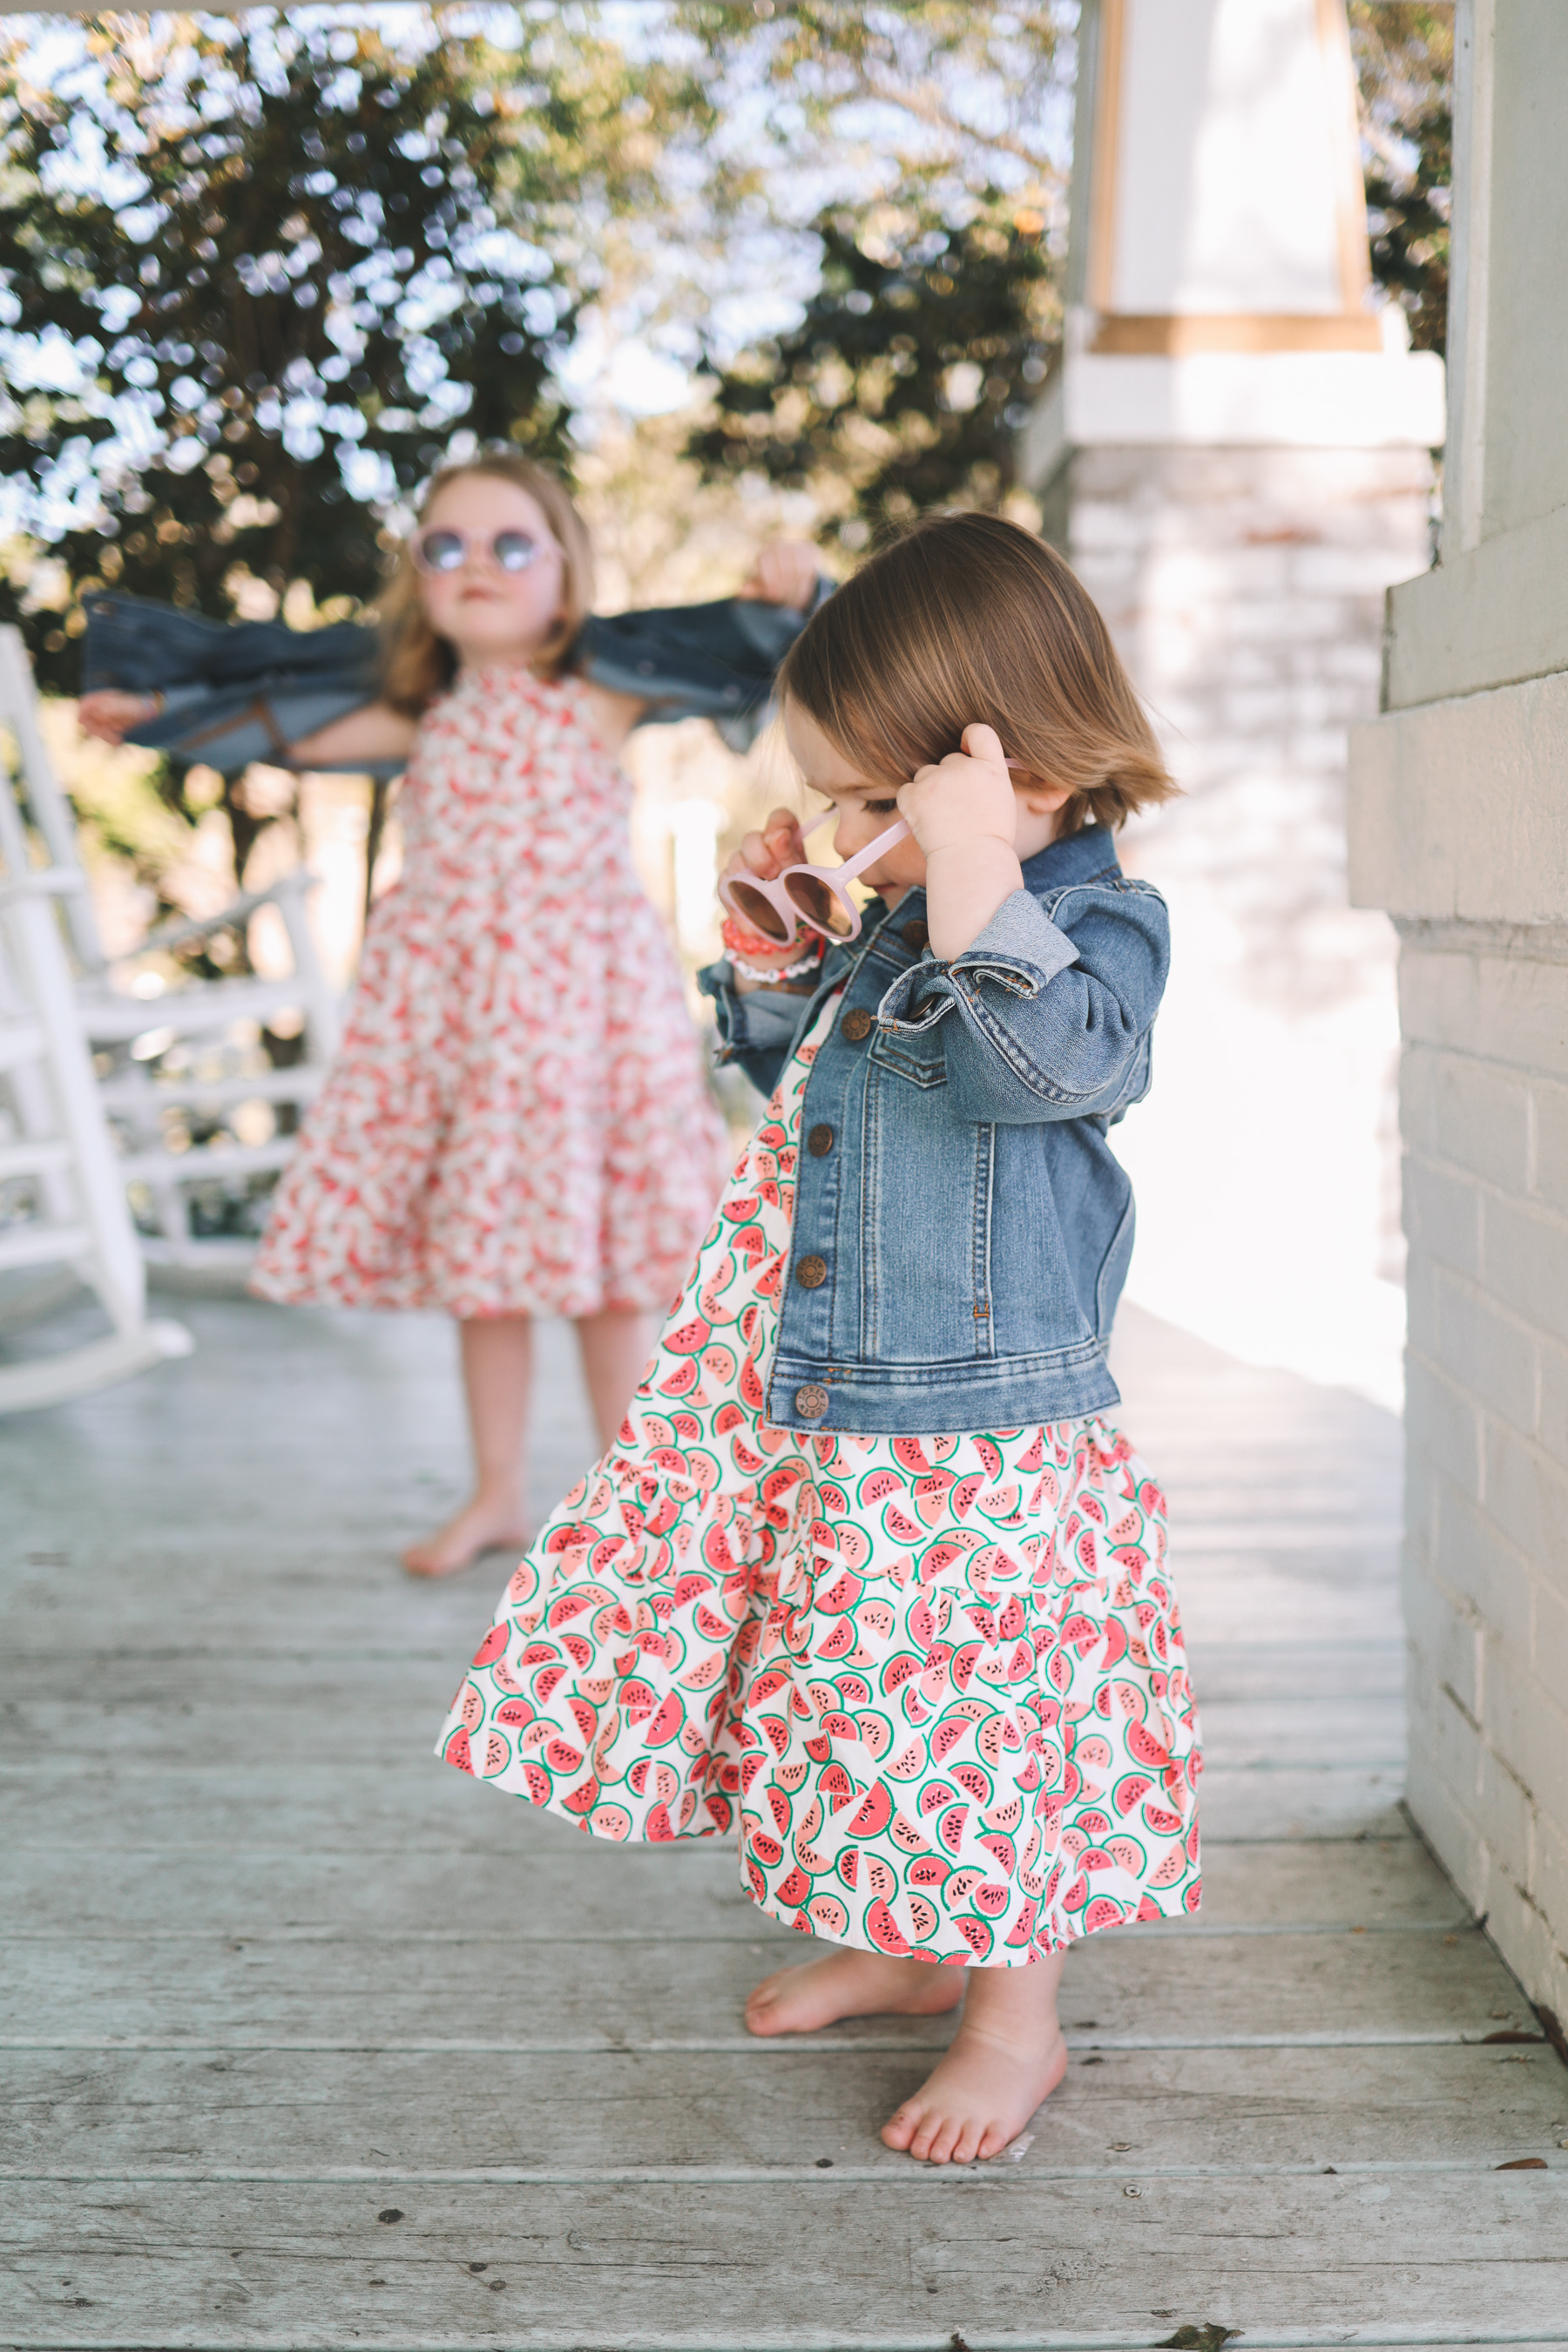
(917, 1054)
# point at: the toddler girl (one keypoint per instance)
(870, 1576)
(519, 1123)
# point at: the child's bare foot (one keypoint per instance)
(1006, 2056)
(489, 1523)
(846, 1983)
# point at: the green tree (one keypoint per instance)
(288, 264)
(937, 299)
(261, 278)
(1404, 62)
(903, 384)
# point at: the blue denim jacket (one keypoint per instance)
(235, 691)
(961, 1226)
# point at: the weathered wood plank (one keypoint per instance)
(571, 1995)
(165, 1711)
(256, 1596)
(399, 2115)
(278, 1808)
(902, 2263)
(93, 1891)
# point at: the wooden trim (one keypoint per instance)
(1102, 161)
(1156, 334)
(1349, 194)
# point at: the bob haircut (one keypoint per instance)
(417, 664)
(967, 617)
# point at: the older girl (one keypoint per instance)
(870, 1574)
(519, 1122)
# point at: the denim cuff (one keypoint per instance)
(763, 1020)
(1020, 948)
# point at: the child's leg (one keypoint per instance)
(497, 1373)
(1007, 2055)
(616, 1345)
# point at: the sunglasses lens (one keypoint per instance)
(754, 908)
(515, 550)
(440, 550)
(818, 905)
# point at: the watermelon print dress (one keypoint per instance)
(519, 1122)
(936, 1684)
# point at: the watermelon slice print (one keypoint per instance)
(954, 1660)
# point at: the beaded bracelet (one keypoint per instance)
(741, 939)
(772, 971)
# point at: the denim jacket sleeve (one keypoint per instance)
(1048, 1014)
(758, 1029)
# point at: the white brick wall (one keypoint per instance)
(1245, 588)
(1484, 1012)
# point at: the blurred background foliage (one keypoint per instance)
(1404, 52)
(736, 264)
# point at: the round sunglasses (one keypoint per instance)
(449, 551)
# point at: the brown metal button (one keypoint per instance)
(916, 935)
(811, 1402)
(820, 1143)
(811, 1273)
(855, 1024)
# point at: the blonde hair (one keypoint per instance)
(417, 664)
(966, 617)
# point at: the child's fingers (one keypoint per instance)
(983, 742)
(758, 855)
(784, 574)
(782, 831)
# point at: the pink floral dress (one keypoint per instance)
(936, 1684)
(519, 1121)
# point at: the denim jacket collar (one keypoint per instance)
(1079, 858)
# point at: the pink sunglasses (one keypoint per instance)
(816, 895)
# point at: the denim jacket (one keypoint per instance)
(961, 1226)
(243, 691)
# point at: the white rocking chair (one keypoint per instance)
(187, 1057)
(62, 1197)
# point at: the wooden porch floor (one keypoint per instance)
(309, 2043)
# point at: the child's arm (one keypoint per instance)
(1048, 1015)
(758, 1018)
(374, 732)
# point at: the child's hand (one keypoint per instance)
(965, 797)
(781, 843)
(765, 855)
(784, 573)
(108, 715)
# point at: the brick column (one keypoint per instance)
(1459, 828)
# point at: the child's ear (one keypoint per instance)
(1038, 797)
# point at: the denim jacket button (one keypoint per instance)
(915, 936)
(811, 1402)
(855, 1024)
(811, 1273)
(820, 1143)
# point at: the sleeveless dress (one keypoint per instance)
(519, 1121)
(936, 1684)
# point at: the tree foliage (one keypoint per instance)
(1405, 63)
(260, 275)
(903, 382)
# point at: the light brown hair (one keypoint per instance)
(417, 664)
(967, 617)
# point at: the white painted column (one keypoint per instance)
(1459, 829)
(1235, 453)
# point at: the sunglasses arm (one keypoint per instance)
(856, 866)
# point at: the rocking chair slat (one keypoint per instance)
(216, 1018)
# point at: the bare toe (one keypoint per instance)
(457, 1545)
